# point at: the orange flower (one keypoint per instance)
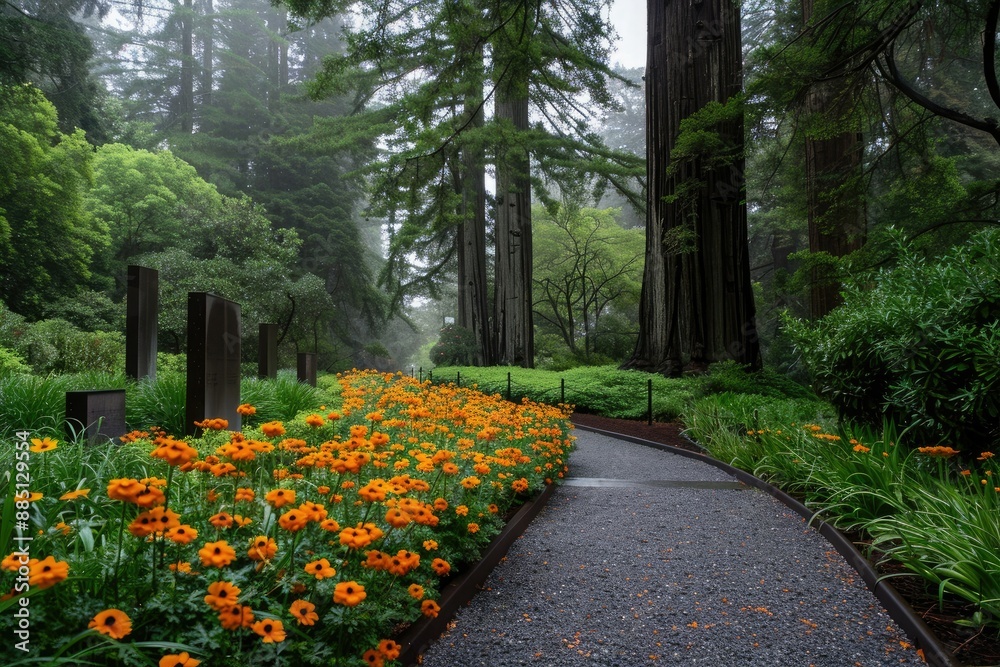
(304, 612)
(329, 525)
(473, 528)
(293, 520)
(154, 521)
(397, 518)
(112, 622)
(470, 482)
(246, 410)
(178, 660)
(984, 456)
(440, 567)
(216, 424)
(938, 452)
(272, 429)
(14, 561)
(314, 511)
(221, 520)
(349, 593)
(48, 572)
(182, 534)
(430, 545)
(222, 595)
(320, 569)
(272, 630)
(461, 510)
(519, 485)
(322, 490)
(429, 608)
(174, 452)
(240, 521)
(280, 497)
(262, 547)
(217, 554)
(861, 448)
(373, 658)
(149, 496)
(244, 494)
(235, 617)
(73, 495)
(125, 489)
(314, 420)
(43, 445)
(389, 649)
(416, 591)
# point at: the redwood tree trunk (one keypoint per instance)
(207, 54)
(834, 212)
(473, 302)
(697, 304)
(186, 101)
(512, 304)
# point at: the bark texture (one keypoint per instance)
(697, 304)
(473, 302)
(835, 215)
(513, 278)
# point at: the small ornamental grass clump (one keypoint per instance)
(309, 541)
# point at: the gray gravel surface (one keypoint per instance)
(678, 576)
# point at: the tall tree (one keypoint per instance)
(512, 302)
(697, 303)
(410, 64)
(833, 153)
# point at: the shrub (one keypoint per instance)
(56, 346)
(918, 344)
(455, 347)
(11, 363)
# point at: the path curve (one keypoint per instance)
(646, 557)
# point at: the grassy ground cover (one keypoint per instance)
(303, 541)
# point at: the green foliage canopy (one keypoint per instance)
(47, 238)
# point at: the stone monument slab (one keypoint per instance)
(213, 360)
(98, 414)
(141, 313)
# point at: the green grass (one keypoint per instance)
(611, 392)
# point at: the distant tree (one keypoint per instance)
(148, 202)
(43, 43)
(46, 238)
(588, 270)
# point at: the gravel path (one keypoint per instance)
(613, 575)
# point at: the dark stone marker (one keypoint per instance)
(307, 368)
(99, 414)
(267, 351)
(213, 360)
(141, 313)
